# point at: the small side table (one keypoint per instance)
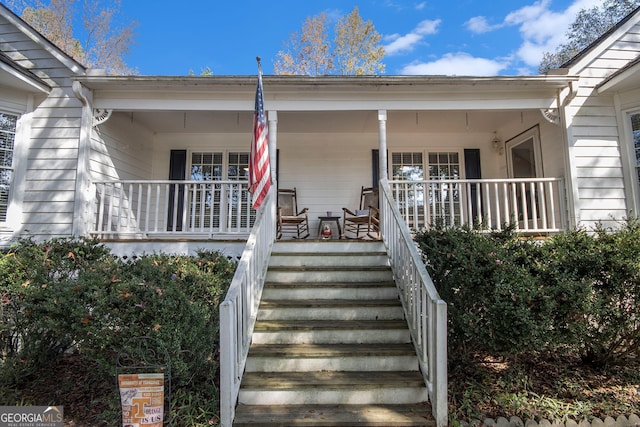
(329, 219)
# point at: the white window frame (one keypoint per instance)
(222, 199)
(628, 148)
(419, 196)
(12, 168)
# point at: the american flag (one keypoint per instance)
(259, 169)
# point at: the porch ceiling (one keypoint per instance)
(324, 121)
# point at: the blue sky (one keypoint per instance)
(455, 37)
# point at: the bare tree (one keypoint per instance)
(357, 48)
(588, 26)
(103, 46)
(307, 52)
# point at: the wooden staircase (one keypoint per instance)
(331, 346)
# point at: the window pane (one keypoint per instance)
(444, 197)
(238, 166)
(407, 166)
(635, 127)
(7, 139)
(206, 166)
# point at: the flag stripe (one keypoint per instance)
(259, 168)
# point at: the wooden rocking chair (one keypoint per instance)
(290, 220)
(364, 222)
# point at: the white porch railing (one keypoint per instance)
(426, 313)
(239, 309)
(145, 208)
(529, 204)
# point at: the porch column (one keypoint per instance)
(382, 141)
(273, 145)
(382, 156)
(82, 202)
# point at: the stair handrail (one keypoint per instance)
(239, 309)
(425, 311)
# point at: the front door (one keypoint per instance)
(524, 161)
(523, 155)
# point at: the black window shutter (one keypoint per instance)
(472, 171)
(177, 172)
(375, 167)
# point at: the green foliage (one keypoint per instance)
(73, 295)
(509, 295)
(588, 26)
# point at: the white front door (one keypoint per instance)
(523, 155)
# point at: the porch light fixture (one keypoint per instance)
(496, 143)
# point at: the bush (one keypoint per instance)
(494, 302)
(577, 290)
(73, 295)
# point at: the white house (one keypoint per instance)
(158, 163)
(90, 154)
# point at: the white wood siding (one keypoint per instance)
(594, 141)
(52, 154)
(121, 149)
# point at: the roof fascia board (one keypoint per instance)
(23, 76)
(199, 83)
(620, 77)
(42, 41)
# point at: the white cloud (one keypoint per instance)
(479, 25)
(421, 5)
(460, 64)
(407, 42)
(542, 29)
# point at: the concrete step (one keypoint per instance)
(313, 388)
(330, 290)
(331, 357)
(322, 309)
(320, 247)
(289, 258)
(285, 274)
(330, 332)
(416, 415)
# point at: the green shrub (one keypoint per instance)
(73, 295)
(494, 302)
(576, 290)
(613, 321)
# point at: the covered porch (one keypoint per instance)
(168, 159)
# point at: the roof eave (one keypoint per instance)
(22, 78)
(202, 82)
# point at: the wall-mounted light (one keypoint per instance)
(497, 145)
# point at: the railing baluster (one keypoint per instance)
(534, 205)
(110, 212)
(130, 209)
(543, 204)
(552, 206)
(157, 210)
(102, 195)
(421, 204)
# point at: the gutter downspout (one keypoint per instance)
(82, 203)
